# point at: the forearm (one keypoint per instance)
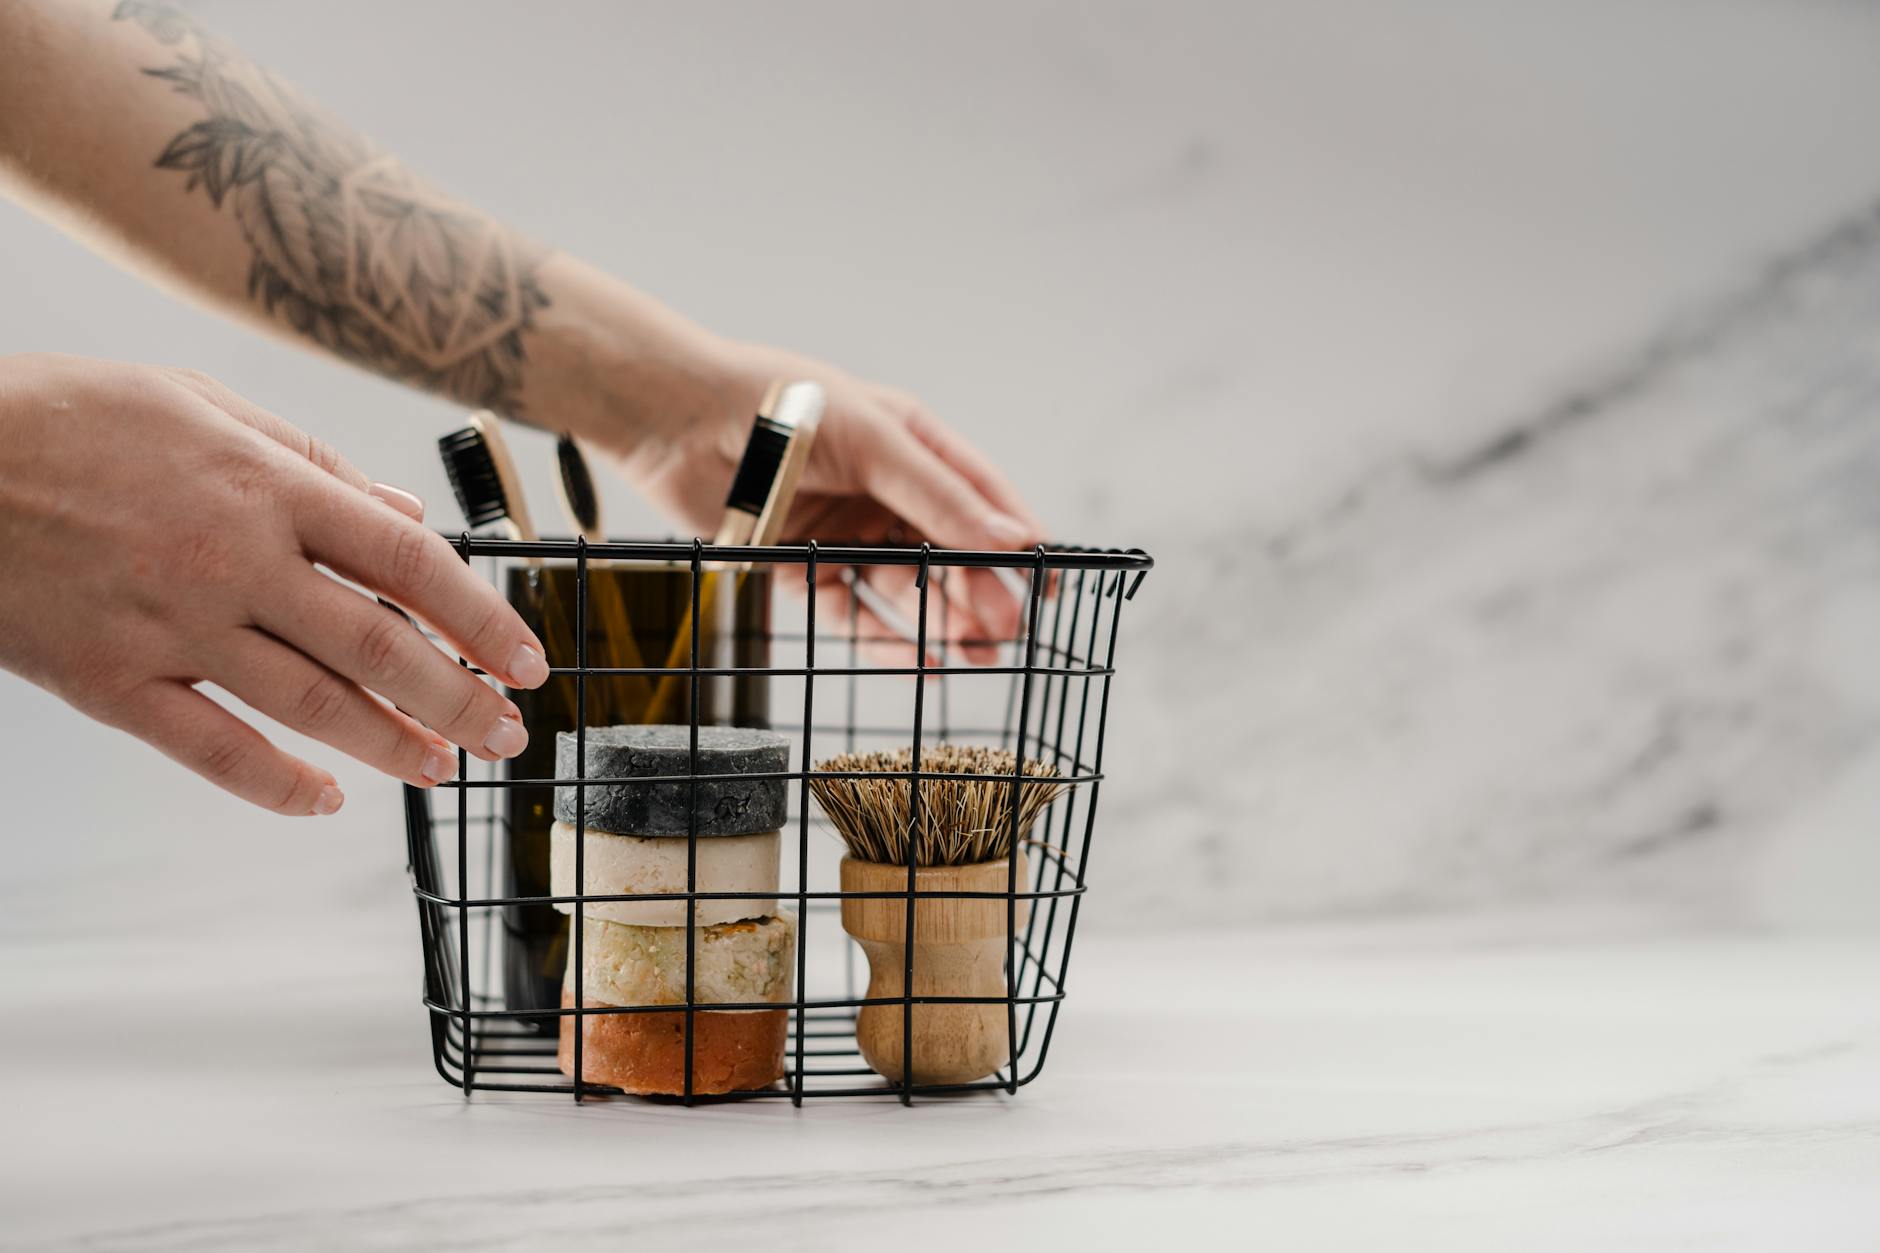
(168, 150)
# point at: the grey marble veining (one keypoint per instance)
(1611, 645)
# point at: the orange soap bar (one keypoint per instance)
(732, 1050)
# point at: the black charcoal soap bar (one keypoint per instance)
(727, 803)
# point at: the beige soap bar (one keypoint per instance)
(618, 865)
(733, 962)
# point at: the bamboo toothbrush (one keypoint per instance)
(758, 505)
(483, 478)
(582, 504)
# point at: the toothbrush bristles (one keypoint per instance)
(473, 476)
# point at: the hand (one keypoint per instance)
(883, 469)
(158, 531)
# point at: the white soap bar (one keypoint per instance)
(637, 865)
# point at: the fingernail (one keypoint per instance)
(507, 738)
(331, 798)
(400, 499)
(1008, 530)
(527, 667)
(439, 764)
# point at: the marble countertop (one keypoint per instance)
(1487, 1083)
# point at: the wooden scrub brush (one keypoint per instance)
(962, 843)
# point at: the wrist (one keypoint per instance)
(621, 370)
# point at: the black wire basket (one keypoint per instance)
(1046, 696)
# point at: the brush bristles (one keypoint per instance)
(474, 480)
(577, 485)
(962, 821)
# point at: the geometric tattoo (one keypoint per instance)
(349, 249)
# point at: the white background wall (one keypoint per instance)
(1203, 276)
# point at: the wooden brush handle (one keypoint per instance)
(959, 950)
(736, 529)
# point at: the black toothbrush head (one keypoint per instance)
(471, 468)
(757, 470)
(577, 486)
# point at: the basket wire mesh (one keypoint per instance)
(1055, 704)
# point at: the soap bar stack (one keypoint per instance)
(633, 953)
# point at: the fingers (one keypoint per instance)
(302, 694)
(920, 480)
(320, 454)
(952, 618)
(974, 467)
(361, 643)
(911, 480)
(405, 502)
(317, 453)
(890, 591)
(1019, 526)
(419, 570)
(981, 603)
(839, 610)
(882, 606)
(989, 602)
(197, 733)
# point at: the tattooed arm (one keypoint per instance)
(169, 150)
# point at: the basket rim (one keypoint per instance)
(1043, 556)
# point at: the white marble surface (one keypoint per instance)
(1559, 1082)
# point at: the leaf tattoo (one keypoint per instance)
(349, 249)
